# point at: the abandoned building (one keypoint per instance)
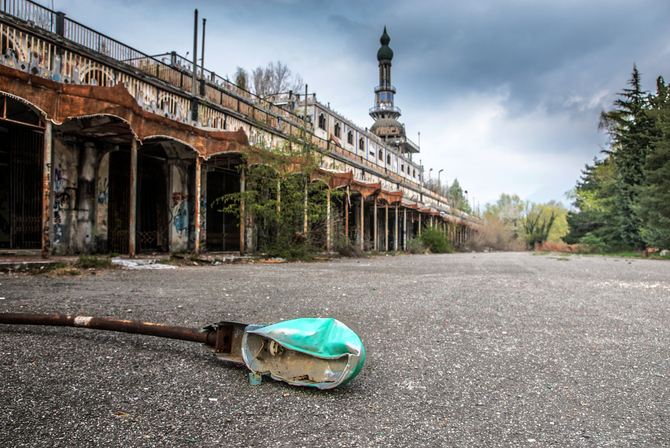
(104, 149)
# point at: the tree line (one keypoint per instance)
(622, 200)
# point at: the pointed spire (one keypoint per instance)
(385, 53)
(385, 39)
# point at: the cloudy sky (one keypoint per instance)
(506, 94)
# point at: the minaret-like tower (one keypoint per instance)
(384, 92)
(385, 114)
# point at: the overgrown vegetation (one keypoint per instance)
(436, 241)
(416, 246)
(280, 201)
(512, 224)
(271, 80)
(622, 202)
(454, 193)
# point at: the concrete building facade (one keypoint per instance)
(104, 149)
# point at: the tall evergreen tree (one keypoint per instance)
(596, 216)
(630, 130)
(654, 194)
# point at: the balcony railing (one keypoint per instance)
(384, 89)
(385, 108)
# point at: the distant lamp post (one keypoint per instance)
(438, 181)
(466, 196)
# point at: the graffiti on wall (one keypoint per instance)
(180, 211)
(203, 221)
(62, 200)
(103, 194)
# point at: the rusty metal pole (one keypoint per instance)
(404, 230)
(132, 231)
(395, 233)
(328, 221)
(375, 228)
(198, 191)
(194, 87)
(202, 58)
(243, 217)
(346, 216)
(386, 230)
(419, 223)
(46, 190)
(361, 233)
(99, 323)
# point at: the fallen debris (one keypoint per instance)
(141, 264)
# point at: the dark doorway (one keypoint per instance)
(152, 212)
(21, 176)
(223, 231)
(119, 202)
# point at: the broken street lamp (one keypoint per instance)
(315, 352)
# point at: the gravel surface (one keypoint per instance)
(463, 350)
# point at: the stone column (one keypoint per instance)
(198, 191)
(46, 190)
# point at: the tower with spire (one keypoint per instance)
(385, 114)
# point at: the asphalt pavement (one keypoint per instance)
(463, 350)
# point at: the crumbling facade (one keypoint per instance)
(104, 149)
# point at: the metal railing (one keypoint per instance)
(31, 12)
(177, 71)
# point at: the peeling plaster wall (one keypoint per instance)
(65, 156)
(85, 200)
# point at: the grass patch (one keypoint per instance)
(86, 262)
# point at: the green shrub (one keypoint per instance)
(415, 246)
(436, 241)
(594, 244)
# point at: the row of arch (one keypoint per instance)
(103, 175)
